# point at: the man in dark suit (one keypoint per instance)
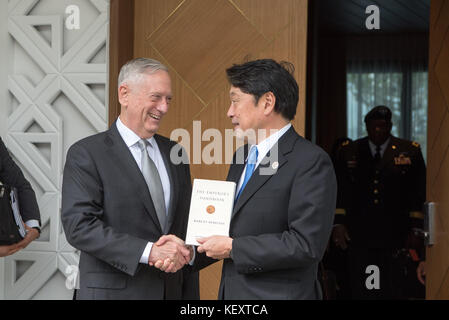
(285, 196)
(11, 175)
(381, 191)
(121, 192)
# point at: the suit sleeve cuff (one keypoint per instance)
(146, 253)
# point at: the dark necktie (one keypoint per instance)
(377, 156)
(154, 183)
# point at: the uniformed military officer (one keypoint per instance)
(381, 191)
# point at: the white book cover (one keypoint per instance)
(210, 209)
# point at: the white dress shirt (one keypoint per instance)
(383, 147)
(263, 148)
(131, 139)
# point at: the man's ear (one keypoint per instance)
(123, 94)
(269, 102)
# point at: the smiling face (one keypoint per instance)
(145, 100)
(244, 113)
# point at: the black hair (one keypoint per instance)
(266, 75)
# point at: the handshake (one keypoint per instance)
(170, 254)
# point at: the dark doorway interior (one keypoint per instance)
(363, 54)
(352, 68)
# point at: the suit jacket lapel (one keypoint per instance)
(119, 151)
(173, 177)
(257, 180)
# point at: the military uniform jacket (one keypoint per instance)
(380, 202)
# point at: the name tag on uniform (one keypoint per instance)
(402, 160)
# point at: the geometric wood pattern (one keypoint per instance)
(58, 82)
(197, 40)
(437, 265)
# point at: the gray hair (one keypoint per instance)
(138, 66)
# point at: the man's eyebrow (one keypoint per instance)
(159, 94)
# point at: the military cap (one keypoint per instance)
(379, 113)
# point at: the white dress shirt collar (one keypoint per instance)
(263, 148)
(129, 136)
(266, 145)
(383, 147)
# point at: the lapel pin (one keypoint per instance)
(275, 165)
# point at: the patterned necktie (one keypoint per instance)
(250, 165)
(154, 183)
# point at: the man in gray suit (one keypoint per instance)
(285, 196)
(121, 193)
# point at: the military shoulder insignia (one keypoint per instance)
(415, 144)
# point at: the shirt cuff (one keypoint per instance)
(146, 253)
(192, 261)
(32, 223)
